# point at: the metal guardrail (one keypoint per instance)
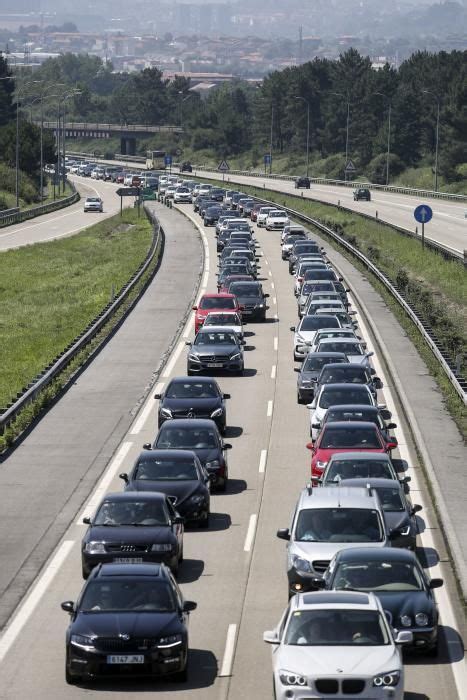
(8, 212)
(60, 363)
(31, 213)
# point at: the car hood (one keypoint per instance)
(396, 520)
(140, 624)
(208, 404)
(339, 660)
(325, 455)
(250, 300)
(221, 349)
(128, 534)
(182, 490)
(308, 336)
(326, 550)
(399, 603)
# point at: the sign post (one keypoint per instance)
(423, 214)
(127, 192)
(223, 168)
(168, 161)
(267, 161)
(349, 168)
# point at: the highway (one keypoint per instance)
(236, 569)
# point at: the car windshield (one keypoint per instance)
(353, 375)
(349, 348)
(276, 214)
(336, 628)
(314, 323)
(215, 338)
(245, 290)
(354, 394)
(351, 437)
(302, 248)
(137, 512)
(191, 390)
(127, 595)
(93, 199)
(222, 320)
(370, 416)
(156, 469)
(217, 303)
(315, 364)
(338, 525)
(172, 437)
(358, 469)
(391, 499)
(391, 575)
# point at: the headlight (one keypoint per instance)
(260, 306)
(82, 641)
(197, 499)
(291, 678)
(301, 564)
(405, 531)
(421, 619)
(305, 381)
(215, 464)
(216, 413)
(170, 641)
(236, 356)
(390, 678)
(95, 548)
(166, 412)
(321, 465)
(161, 548)
(193, 357)
(406, 621)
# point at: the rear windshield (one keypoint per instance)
(217, 303)
(347, 348)
(314, 363)
(245, 290)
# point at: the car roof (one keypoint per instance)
(373, 482)
(351, 425)
(215, 329)
(353, 406)
(216, 295)
(201, 423)
(337, 599)
(131, 495)
(330, 355)
(359, 554)
(341, 497)
(347, 365)
(195, 380)
(172, 454)
(344, 386)
(135, 570)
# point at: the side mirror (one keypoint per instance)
(416, 508)
(309, 446)
(178, 520)
(195, 308)
(226, 446)
(283, 534)
(87, 521)
(226, 396)
(189, 606)
(318, 582)
(271, 637)
(292, 328)
(391, 444)
(311, 405)
(316, 426)
(404, 637)
(391, 426)
(147, 446)
(377, 382)
(296, 369)
(436, 583)
(158, 396)
(385, 413)
(406, 480)
(266, 296)
(68, 606)
(124, 476)
(188, 342)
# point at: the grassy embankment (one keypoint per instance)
(29, 195)
(50, 292)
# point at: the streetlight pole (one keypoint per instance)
(270, 140)
(388, 151)
(346, 97)
(307, 133)
(429, 92)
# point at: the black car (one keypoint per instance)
(186, 167)
(133, 529)
(399, 513)
(310, 369)
(177, 473)
(397, 579)
(353, 373)
(201, 436)
(211, 215)
(251, 297)
(241, 266)
(362, 193)
(217, 193)
(193, 397)
(248, 203)
(128, 620)
(215, 349)
(235, 198)
(372, 414)
(236, 269)
(205, 205)
(302, 248)
(302, 182)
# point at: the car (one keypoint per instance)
(371, 414)
(211, 215)
(336, 395)
(356, 350)
(226, 214)
(255, 210)
(217, 194)
(235, 270)
(302, 182)
(178, 474)
(235, 199)
(325, 521)
(308, 288)
(193, 397)
(263, 215)
(351, 373)
(327, 304)
(130, 620)
(300, 248)
(231, 264)
(305, 332)
(93, 204)
(225, 319)
(362, 193)
(345, 436)
(251, 298)
(293, 228)
(245, 206)
(310, 369)
(182, 195)
(170, 191)
(206, 204)
(333, 333)
(129, 528)
(215, 348)
(203, 438)
(359, 465)
(243, 252)
(186, 167)
(214, 302)
(399, 582)
(228, 196)
(276, 219)
(223, 284)
(399, 512)
(336, 644)
(346, 318)
(288, 242)
(309, 267)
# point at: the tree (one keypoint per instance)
(7, 88)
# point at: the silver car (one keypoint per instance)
(336, 644)
(93, 204)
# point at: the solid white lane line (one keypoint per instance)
(272, 285)
(189, 327)
(173, 360)
(27, 608)
(103, 484)
(138, 425)
(270, 273)
(269, 411)
(250, 535)
(262, 461)
(276, 342)
(227, 661)
(273, 372)
(274, 300)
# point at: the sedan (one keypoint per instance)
(354, 349)
(128, 620)
(177, 473)
(371, 414)
(334, 395)
(211, 215)
(193, 397)
(350, 373)
(302, 182)
(201, 436)
(309, 371)
(276, 219)
(182, 195)
(234, 270)
(215, 348)
(214, 302)
(133, 529)
(93, 204)
(251, 298)
(305, 332)
(401, 584)
(359, 465)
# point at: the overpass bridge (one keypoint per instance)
(97, 130)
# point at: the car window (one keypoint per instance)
(314, 364)
(351, 437)
(191, 390)
(137, 512)
(334, 414)
(391, 499)
(172, 437)
(156, 469)
(386, 575)
(222, 320)
(126, 595)
(245, 290)
(358, 469)
(336, 628)
(215, 338)
(338, 525)
(339, 374)
(349, 348)
(217, 303)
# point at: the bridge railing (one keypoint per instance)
(117, 128)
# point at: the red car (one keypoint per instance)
(224, 287)
(346, 436)
(214, 302)
(255, 210)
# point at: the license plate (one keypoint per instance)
(128, 560)
(125, 659)
(214, 364)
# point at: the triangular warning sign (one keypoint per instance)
(223, 166)
(350, 165)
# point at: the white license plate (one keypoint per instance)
(214, 364)
(125, 659)
(128, 560)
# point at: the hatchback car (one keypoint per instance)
(128, 620)
(305, 332)
(182, 195)
(214, 302)
(251, 298)
(93, 204)
(362, 193)
(215, 348)
(193, 397)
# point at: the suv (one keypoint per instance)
(186, 167)
(325, 521)
(362, 193)
(302, 182)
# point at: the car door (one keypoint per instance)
(177, 528)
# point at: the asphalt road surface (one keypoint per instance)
(236, 569)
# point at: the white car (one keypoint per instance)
(354, 349)
(332, 333)
(305, 332)
(228, 319)
(93, 204)
(263, 215)
(182, 194)
(276, 219)
(337, 395)
(336, 644)
(128, 180)
(313, 306)
(170, 191)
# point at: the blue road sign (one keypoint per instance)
(423, 213)
(267, 159)
(167, 160)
